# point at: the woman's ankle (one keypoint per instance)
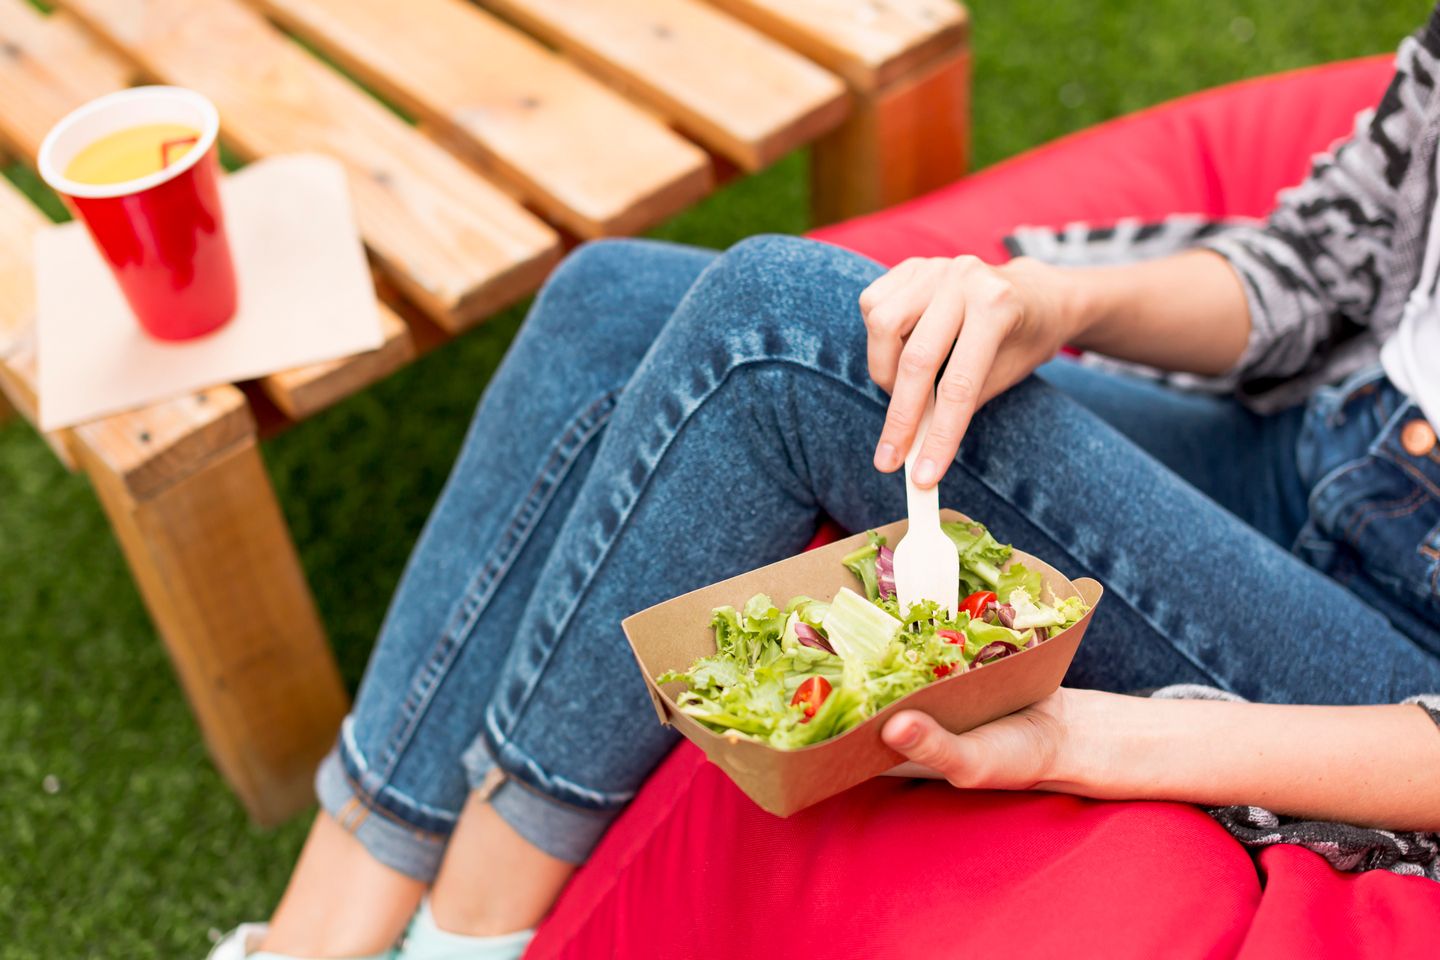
(493, 881)
(341, 902)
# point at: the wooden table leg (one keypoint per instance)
(904, 139)
(193, 509)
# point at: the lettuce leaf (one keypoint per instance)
(744, 689)
(862, 563)
(981, 555)
(1017, 577)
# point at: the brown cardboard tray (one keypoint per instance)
(671, 635)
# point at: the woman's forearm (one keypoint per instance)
(1379, 766)
(1185, 312)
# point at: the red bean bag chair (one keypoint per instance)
(905, 869)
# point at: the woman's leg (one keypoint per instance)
(751, 414)
(394, 787)
(1243, 461)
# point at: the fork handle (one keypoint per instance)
(923, 506)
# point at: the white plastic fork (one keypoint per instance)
(927, 566)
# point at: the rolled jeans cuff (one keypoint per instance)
(563, 830)
(384, 835)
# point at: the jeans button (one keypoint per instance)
(1418, 438)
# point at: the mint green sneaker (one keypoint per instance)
(425, 941)
(241, 944)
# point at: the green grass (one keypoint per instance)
(117, 839)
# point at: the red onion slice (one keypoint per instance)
(1006, 615)
(995, 650)
(810, 637)
(885, 572)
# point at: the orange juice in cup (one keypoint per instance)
(132, 153)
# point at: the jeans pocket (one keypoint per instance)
(1379, 514)
(1340, 424)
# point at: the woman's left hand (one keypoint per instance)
(1024, 750)
(1378, 766)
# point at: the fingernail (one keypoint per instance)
(907, 737)
(926, 472)
(885, 456)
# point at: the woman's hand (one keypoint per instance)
(1378, 766)
(988, 327)
(1023, 751)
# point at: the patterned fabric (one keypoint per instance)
(1328, 273)
(1346, 846)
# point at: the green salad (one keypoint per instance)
(795, 675)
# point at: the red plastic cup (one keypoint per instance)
(163, 235)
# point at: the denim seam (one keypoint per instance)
(1370, 381)
(384, 794)
(541, 795)
(501, 742)
(482, 586)
(1419, 477)
(1365, 514)
(372, 803)
(1335, 475)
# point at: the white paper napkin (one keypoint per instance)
(305, 295)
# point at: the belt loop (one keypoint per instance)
(494, 777)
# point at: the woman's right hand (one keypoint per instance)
(988, 326)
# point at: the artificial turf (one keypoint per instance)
(117, 838)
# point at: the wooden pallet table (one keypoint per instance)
(509, 129)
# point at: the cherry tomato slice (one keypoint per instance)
(944, 670)
(951, 636)
(812, 693)
(976, 603)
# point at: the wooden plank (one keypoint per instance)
(732, 88)
(900, 142)
(48, 67)
(871, 43)
(216, 567)
(305, 391)
(147, 450)
(583, 155)
(450, 240)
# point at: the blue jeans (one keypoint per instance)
(670, 417)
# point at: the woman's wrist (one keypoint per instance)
(1133, 311)
(1097, 730)
(1060, 296)
(1377, 765)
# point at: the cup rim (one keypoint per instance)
(209, 132)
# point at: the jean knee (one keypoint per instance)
(770, 286)
(610, 286)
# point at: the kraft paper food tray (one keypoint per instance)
(671, 635)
